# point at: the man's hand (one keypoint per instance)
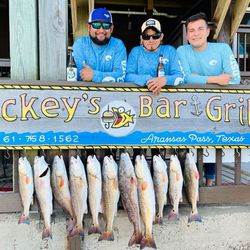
(86, 73)
(155, 84)
(222, 79)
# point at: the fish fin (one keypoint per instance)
(147, 242)
(107, 235)
(47, 233)
(94, 229)
(77, 231)
(144, 186)
(173, 215)
(194, 217)
(135, 238)
(23, 219)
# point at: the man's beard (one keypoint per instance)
(98, 42)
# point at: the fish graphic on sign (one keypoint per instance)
(117, 117)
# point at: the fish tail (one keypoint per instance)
(23, 219)
(107, 235)
(94, 229)
(47, 233)
(194, 217)
(77, 231)
(147, 241)
(173, 215)
(135, 238)
(71, 224)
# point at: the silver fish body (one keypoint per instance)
(191, 181)
(160, 179)
(26, 188)
(60, 187)
(129, 194)
(43, 192)
(79, 192)
(110, 192)
(94, 175)
(175, 186)
(146, 199)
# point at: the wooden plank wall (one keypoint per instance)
(23, 39)
(53, 33)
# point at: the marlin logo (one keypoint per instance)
(212, 62)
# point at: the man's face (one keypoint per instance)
(100, 32)
(151, 43)
(197, 33)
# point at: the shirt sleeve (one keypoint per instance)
(79, 57)
(189, 77)
(132, 74)
(230, 65)
(119, 67)
(176, 75)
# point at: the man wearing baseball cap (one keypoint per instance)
(143, 60)
(100, 57)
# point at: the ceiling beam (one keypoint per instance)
(239, 11)
(219, 16)
(162, 3)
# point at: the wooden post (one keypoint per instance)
(218, 170)
(80, 14)
(200, 165)
(74, 243)
(23, 39)
(237, 166)
(53, 34)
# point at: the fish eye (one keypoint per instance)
(121, 109)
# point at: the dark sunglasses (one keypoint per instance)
(147, 37)
(98, 25)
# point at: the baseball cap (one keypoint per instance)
(151, 23)
(100, 14)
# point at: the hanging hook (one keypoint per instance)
(207, 153)
(7, 155)
(192, 152)
(237, 151)
(43, 152)
(223, 153)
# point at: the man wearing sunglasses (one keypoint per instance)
(143, 60)
(100, 57)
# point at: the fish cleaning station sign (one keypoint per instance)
(119, 115)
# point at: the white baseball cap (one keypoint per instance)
(151, 23)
